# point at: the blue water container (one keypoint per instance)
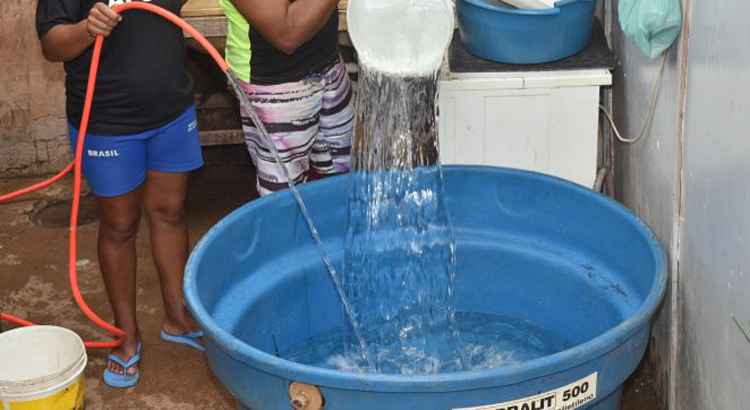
(496, 31)
(537, 249)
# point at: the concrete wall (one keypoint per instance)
(32, 117)
(715, 253)
(687, 180)
(647, 174)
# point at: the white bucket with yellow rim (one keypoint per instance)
(41, 368)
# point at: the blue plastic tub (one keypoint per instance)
(495, 31)
(529, 247)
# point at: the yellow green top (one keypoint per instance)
(238, 47)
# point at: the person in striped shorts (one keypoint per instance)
(285, 52)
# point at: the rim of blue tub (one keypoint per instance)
(443, 382)
(524, 12)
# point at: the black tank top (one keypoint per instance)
(142, 82)
(268, 65)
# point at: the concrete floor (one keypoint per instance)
(33, 285)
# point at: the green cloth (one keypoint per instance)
(652, 24)
(238, 48)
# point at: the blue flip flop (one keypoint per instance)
(188, 339)
(123, 380)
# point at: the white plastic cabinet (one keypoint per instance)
(543, 121)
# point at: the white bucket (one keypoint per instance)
(41, 368)
(397, 37)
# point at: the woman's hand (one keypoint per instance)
(102, 20)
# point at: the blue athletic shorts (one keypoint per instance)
(116, 165)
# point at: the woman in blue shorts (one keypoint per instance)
(142, 142)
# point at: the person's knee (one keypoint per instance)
(120, 229)
(169, 211)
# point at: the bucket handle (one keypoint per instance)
(485, 4)
(563, 3)
(526, 12)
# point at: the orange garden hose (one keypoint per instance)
(75, 166)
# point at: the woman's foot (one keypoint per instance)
(183, 330)
(123, 369)
(125, 351)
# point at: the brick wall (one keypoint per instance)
(33, 132)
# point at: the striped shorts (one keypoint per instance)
(311, 123)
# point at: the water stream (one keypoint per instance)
(400, 252)
(397, 285)
(355, 327)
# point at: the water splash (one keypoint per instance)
(488, 342)
(355, 327)
(400, 252)
(397, 287)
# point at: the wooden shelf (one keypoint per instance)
(343, 4)
(210, 9)
(202, 8)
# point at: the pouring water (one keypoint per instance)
(400, 258)
(400, 253)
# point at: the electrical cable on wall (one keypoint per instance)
(655, 90)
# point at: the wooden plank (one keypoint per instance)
(211, 8)
(343, 24)
(202, 8)
(210, 27)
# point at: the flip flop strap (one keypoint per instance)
(126, 365)
(190, 335)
